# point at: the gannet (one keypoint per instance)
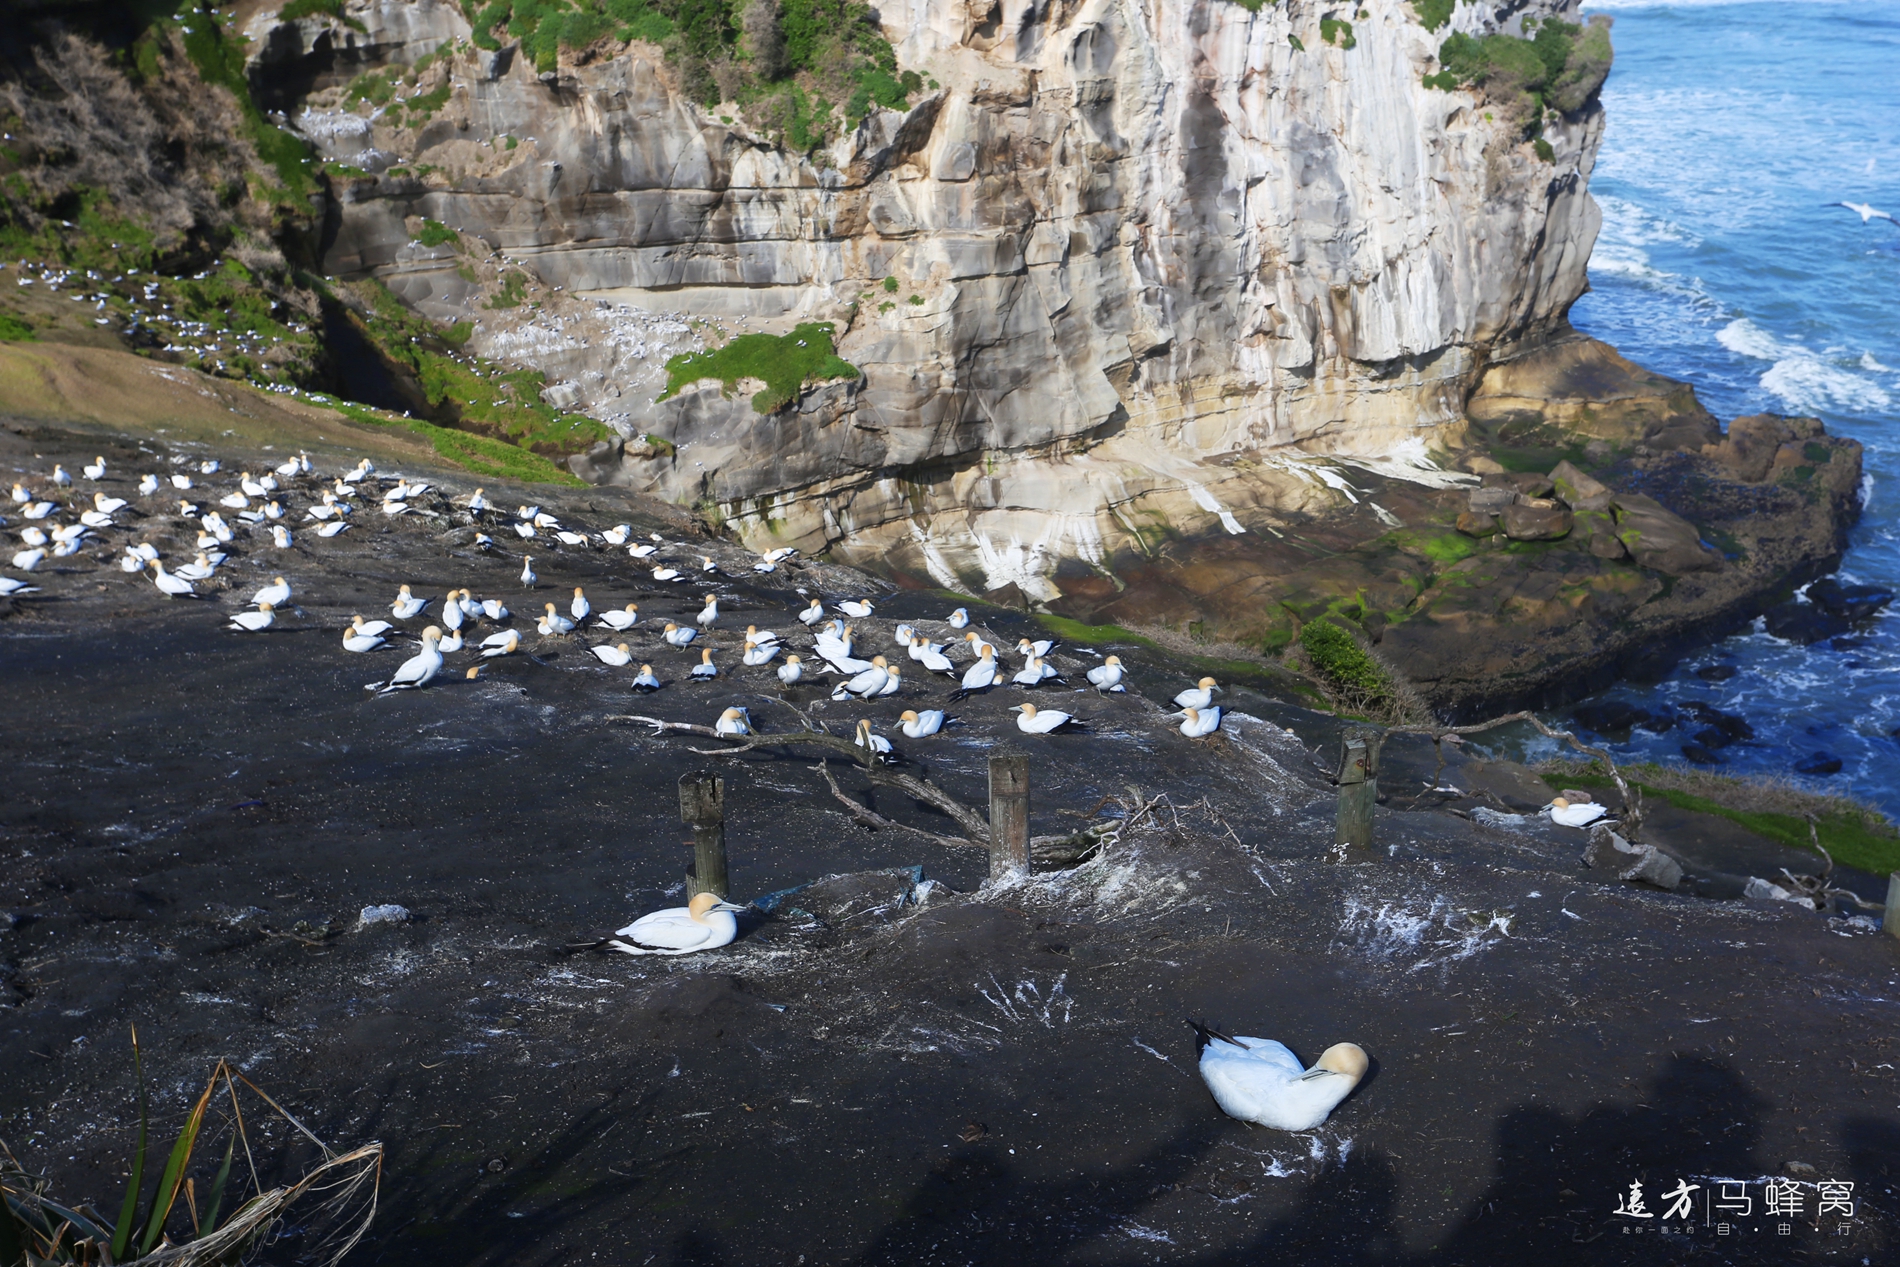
(108, 505)
(355, 639)
(356, 475)
(451, 641)
(20, 495)
(419, 669)
(67, 548)
(553, 623)
(407, 606)
(1259, 1080)
(371, 627)
(524, 530)
(268, 483)
(287, 467)
(96, 519)
(1033, 721)
(477, 503)
(277, 593)
(527, 571)
(1107, 676)
(60, 477)
(39, 510)
(580, 607)
(254, 622)
(705, 923)
(34, 536)
(810, 616)
(325, 509)
(250, 487)
(867, 738)
(392, 509)
(709, 614)
(209, 467)
(756, 655)
(9, 587)
(453, 613)
(545, 520)
(1200, 695)
(980, 676)
(236, 501)
(707, 565)
(145, 550)
(678, 636)
(865, 684)
(642, 551)
(466, 601)
(131, 563)
(199, 569)
(931, 656)
(959, 618)
(792, 670)
(27, 560)
(96, 470)
(1580, 814)
(733, 723)
(616, 535)
(527, 512)
(273, 510)
(147, 486)
(623, 619)
(280, 536)
(856, 608)
(493, 609)
(667, 574)
(1864, 210)
(1042, 647)
(644, 680)
(903, 634)
(332, 528)
(764, 565)
(181, 482)
(893, 681)
(505, 643)
(171, 586)
(567, 538)
(978, 643)
(1198, 723)
(921, 725)
(619, 657)
(705, 670)
(761, 636)
(1034, 672)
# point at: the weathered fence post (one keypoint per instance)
(1892, 922)
(703, 808)
(1358, 781)
(1009, 813)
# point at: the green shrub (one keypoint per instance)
(1353, 680)
(1542, 147)
(917, 300)
(1336, 32)
(1293, 42)
(435, 233)
(1561, 67)
(1434, 13)
(14, 329)
(785, 362)
(890, 285)
(318, 9)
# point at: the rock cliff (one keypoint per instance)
(1161, 267)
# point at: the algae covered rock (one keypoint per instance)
(1536, 519)
(1658, 538)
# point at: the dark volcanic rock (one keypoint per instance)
(1658, 538)
(1700, 755)
(1710, 737)
(1729, 725)
(1606, 545)
(1474, 524)
(1716, 672)
(1609, 716)
(1849, 602)
(1818, 763)
(1577, 490)
(1536, 519)
(1803, 623)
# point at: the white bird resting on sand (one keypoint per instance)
(705, 923)
(921, 725)
(27, 560)
(1580, 814)
(407, 606)
(1258, 1080)
(254, 622)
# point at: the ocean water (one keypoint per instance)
(1730, 127)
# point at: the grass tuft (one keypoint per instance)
(785, 363)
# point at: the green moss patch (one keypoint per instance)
(785, 363)
(14, 329)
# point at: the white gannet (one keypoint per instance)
(361, 469)
(171, 586)
(147, 485)
(10, 587)
(667, 574)
(108, 505)
(867, 738)
(524, 531)
(254, 622)
(332, 528)
(60, 477)
(544, 520)
(470, 608)
(553, 623)
(921, 725)
(34, 536)
(580, 607)
(980, 676)
(250, 487)
(856, 608)
(273, 509)
(959, 618)
(707, 565)
(1865, 211)
(27, 560)
(356, 641)
(199, 569)
(371, 627)
(1198, 723)
(451, 641)
(733, 723)
(1259, 1080)
(39, 510)
(419, 669)
(67, 548)
(144, 549)
(181, 482)
(619, 657)
(494, 610)
(1046, 721)
(567, 538)
(20, 495)
(642, 550)
(709, 614)
(477, 503)
(209, 467)
(705, 670)
(280, 536)
(287, 467)
(931, 656)
(407, 606)
(757, 654)
(617, 535)
(1035, 672)
(1107, 676)
(903, 634)
(644, 680)
(811, 615)
(506, 642)
(527, 571)
(235, 501)
(621, 620)
(392, 509)
(1198, 696)
(761, 636)
(325, 509)
(765, 565)
(453, 613)
(792, 670)
(705, 923)
(1041, 647)
(95, 470)
(893, 680)
(96, 519)
(277, 593)
(1575, 814)
(527, 512)
(866, 684)
(131, 563)
(978, 643)
(678, 636)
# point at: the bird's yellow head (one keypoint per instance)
(1114, 659)
(1344, 1058)
(880, 662)
(702, 905)
(909, 714)
(1027, 710)
(1207, 684)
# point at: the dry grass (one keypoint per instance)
(1747, 794)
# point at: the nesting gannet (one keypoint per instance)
(325, 509)
(250, 487)
(453, 613)
(392, 509)
(10, 587)
(1035, 672)
(235, 501)
(642, 550)
(1259, 1080)
(1041, 647)
(209, 467)
(893, 679)
(181, 482)
(494, 610)
(60, 477)
(371, 627)
(527, 512)
(620, 620)
(553, 623)
(959, 618)
(757, 654)
(764, 565)
(273, 509)
(95, 470)
(356, 475)
(619, 657)
(466, 601)
(980, 676)
(761, 636)
(903, 634)
(645, 680)
(39, 510)
(1198, 723)
(931, 656)
(707, 565)
(978, 643)
(147, 486)
(131, 563)
(869, 739)
(709, 614)
(677, 635)
(524, 531)
(144, 549)
(108, 505)
(477, 503)
(867, 683)
(332, 528)
(356, 639)
(668, 574)
(1200, 695)
(20, 495)
(254, 622)
(199, 569)
(171, 586)
(407, 606)
(1046, 721)
(34, 536)
(451, 641)
(856, 608)
(96, 519)
(921, 725)
(792, 670)
(567, 538)
(287, 467)
(544, 520)
(733, 723)
(1107, 676)
(616, 535)
(810, 616)
(1578, 814)
(419, 669)
(580, 607)
(277, 593)
(506, 642)
(280, 536)
(705, 923)
(527, 572)
(705, 670)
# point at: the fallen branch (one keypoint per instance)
(871, 818)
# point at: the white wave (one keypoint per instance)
(1628, 224)
(1800, 378)
(1621, 6)
(1867, 362)
(1745, 338)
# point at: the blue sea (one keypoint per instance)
(1730, 127)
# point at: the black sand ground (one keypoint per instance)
(997, 1076)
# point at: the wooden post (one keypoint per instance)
(1009, 813)
(1358, 781)
(703, 808)
(1892, 922)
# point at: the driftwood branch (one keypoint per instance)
(871, 818)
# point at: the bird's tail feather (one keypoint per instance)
(1205, 1034)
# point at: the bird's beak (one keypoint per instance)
(1311, 1074)
(728, 906)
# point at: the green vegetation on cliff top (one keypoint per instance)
(1558, 67)
(785, 363)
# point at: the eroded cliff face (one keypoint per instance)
(1174, 268)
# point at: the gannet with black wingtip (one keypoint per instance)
(250, 487)
(871, 740)
(494, 609)
(757, 654)
(544, 520)
(96, 519)
(39, 510)
(707, 565)
(705, 923)
(764, 637)
(668, 574)
(622, 620)
(645, 680)
(333, 527)
(96, 469)
(1200, 695)
(792, 670)
(1041, 647)
(235, 501)
(451, 641)
(280, 536)
(407, 606)
(678, 635)
(506, 642)
(355, 638)
(959, 618)
(108, 505)
(356, 474)
(1035, 672)
(902, 634)
(921, 724)
(374, 628)
(10, 587)
(1258, 1080)
(419, 669)
(619, 657)
(527, 572)
(705, 670)
(210, 466)
(571, 539)
(856, 608)
(1044, 721)
(552, 624)
(277, 593)
(254, 622)
(1108, 675)
(617, 535)
(1198, 723)
(931, 656)
(810, 616)
(181, 482)
(171, 586)
(865, 684)
(147, 486)
(980, 676)
(709, 614)
(1567, 813)
(524, 531)
(580, 607)
(27, 560)
(642, 551)
(734, 723)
